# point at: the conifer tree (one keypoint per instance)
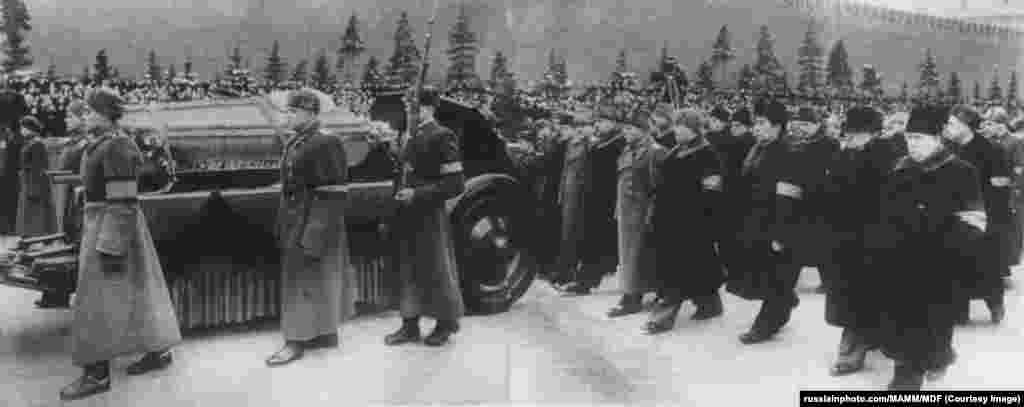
(299, 75)
(977, 91)
(172, 72)
(235, 59)
(322, 77)
(15, 21)
(622, 62)
(722, 52)
(904, 92)
(955, 90)
(102, 66)
(840, 76)
(188, 67)
(276, 70)
(352, 47)
(86, 74)
(153, 70)
(810, 56)
(929, 82)
(995, 92)
(462, 53)
(555, 79)
(747, 79)
(1011, 89)
(767, 67)
(668, 67)
(499, 70)
(403, 64)
(371, 75)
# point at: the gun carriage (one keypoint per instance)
(210, 183)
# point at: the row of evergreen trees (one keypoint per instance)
(817, 75)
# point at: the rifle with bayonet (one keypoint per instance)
(413, 113)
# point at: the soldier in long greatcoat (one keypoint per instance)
(122, 305)
(996, 128)
(316, 288)
(36, 215)
(575, 179)
(427, 268)
(12, 108)
(930, 210)
(984, 267)
(637, 174)
(856, 177)
(689, 190)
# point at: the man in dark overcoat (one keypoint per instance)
(856, 177)
(984, 268)
(316, 289)
(930, 209)
(574, 181)
(785, 174)
(686, 195)
(429, 280)
(734, 204)
(36, 215)
(600, 246)
(12, 108)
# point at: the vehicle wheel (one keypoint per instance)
(495, 267)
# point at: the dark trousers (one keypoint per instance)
(780, 298)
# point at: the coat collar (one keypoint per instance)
(697, 144)
(938, 160)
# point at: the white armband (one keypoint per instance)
(788, 190)
(712, 182)
(451, 168)
(974, 218)
(122, 189)
(1000, 182)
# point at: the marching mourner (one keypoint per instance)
(784, 174)
(315, 294)
(930, 209)
(12, 109)
(600, 244)
(730, 246)
(996, 128)
(36, 215)
(570, 198)
(122, 304)
(856, 178)
(636, 177)
(429, 283)
(687, 265)
(985, 266)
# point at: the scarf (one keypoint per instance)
(939, 158)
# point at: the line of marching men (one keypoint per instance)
(907, 218)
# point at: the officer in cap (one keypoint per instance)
(432, 169)
(314, 298)
(122, 304)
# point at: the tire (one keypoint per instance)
(495, 265)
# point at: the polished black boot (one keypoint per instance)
(409, 332)
(663, 316)
(629, 304)
(708, 307)
(853, 350)
(95, 379)
(52, 299)
(150, 362)
(906, 378)
(442, 331)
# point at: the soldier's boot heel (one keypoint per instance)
(709, 307)
(95, 379)
(853, 350)
(441, 333)
(409, 332)
(150, 362)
